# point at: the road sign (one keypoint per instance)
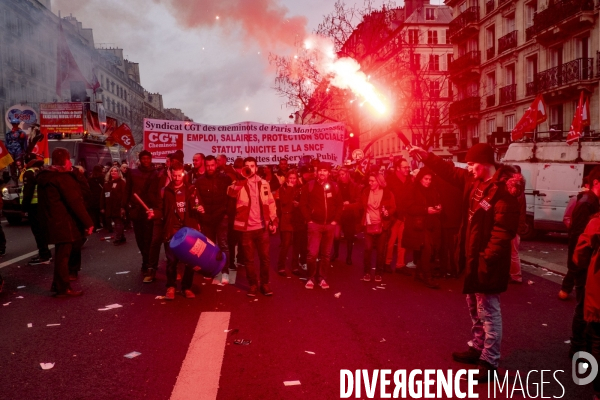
(358, 155)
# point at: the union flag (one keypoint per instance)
(581, 119)
(534, 115)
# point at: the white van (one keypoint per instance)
(552, 177)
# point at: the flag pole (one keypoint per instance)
(534, 150)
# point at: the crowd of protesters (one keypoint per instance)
(450, 221)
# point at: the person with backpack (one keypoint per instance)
(321, 206)
(111, 202)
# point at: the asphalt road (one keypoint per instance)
(403, 326)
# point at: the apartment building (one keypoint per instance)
(506, 52)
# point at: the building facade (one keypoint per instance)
(509, 51)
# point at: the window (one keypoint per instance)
(434, 62)
(491, 83)
(429, 14)
(530, 9)
(415, 61)
(531, 66)
(510, 74)
(509, 122)
(434, 115)
(434, 89)
(490, 40)
(509, 24)
(462, 7)
(490, 125)
(474, 131)
(432, 37)
(413, 36)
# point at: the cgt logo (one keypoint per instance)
(163, 138)
(583, 363)
(154, 141)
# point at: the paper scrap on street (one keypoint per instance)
(544, 324)
(20, 287)
(133, 354)
(5, 304)
(374, 289)
(121, 273)
(159, 298)
(110, 307)
(567, 341)
(53, 325)
(291, 383)
(380, 287)
(30, 325)
(382, 340)
(309, 352)
(337, 295)
(20, 297)
(243, 342)
(530, 282)
(47, 365)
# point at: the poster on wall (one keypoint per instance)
(268, 143)
(27, 115)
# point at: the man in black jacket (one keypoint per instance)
(30, 206)
(62, 215)
(350, 196)
(489, 224)
(142, 181)
(178, 208)
(586, 207)
(212, 189)
(321, 207)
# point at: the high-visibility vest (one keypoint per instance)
(34, 199)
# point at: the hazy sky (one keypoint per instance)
(210, 68)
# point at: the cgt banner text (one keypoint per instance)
(268, 143)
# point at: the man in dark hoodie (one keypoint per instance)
(142, 181)
(489, 224)
(63, 216)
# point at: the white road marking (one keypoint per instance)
(22, 257)
(201, 369)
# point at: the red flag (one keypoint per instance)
(5, 157)
(123, 136)
(363, 166)
(580, 120)
(534, 115)
(66, 66)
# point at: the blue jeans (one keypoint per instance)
(257, 240)
(320, 241)
(487, 325)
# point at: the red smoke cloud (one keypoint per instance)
(264, 21)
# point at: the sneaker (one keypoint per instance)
(470, 356)
(224, 279)
(367, 278)
(486, 372)
(266, 290)
(563, 295)
(170, 294)
(309, 284)
(411, 265)
(252, 291)
(188, 294)
(39, 261)
(377, 278)
(323, 284)
(149, 277)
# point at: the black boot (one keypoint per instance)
(336, 249)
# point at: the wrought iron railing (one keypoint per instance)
(464, 106)
(490, 101)
(508, 94)
(502, 2)
(577, 70)
(467, 17)
(489, 6)
(470, 59)
(507, 41)
(560, 10)
(529, 33)
(490, 53)
(530, 88)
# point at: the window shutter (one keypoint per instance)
(443, 62)
(443, 36)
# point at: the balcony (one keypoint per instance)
(490, 101)
(463, 65)
(530, 89)
(502, 2)
(506, 42)
(561, 20)
(570, 73)
(465, 109)
(508, 94)
(489, 6)
(490, 53)
(464, 25)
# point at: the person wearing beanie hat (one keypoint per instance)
(488, 225)
(145, 153)
(62, 212)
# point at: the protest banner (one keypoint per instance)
(61, 118)
(268, 143)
